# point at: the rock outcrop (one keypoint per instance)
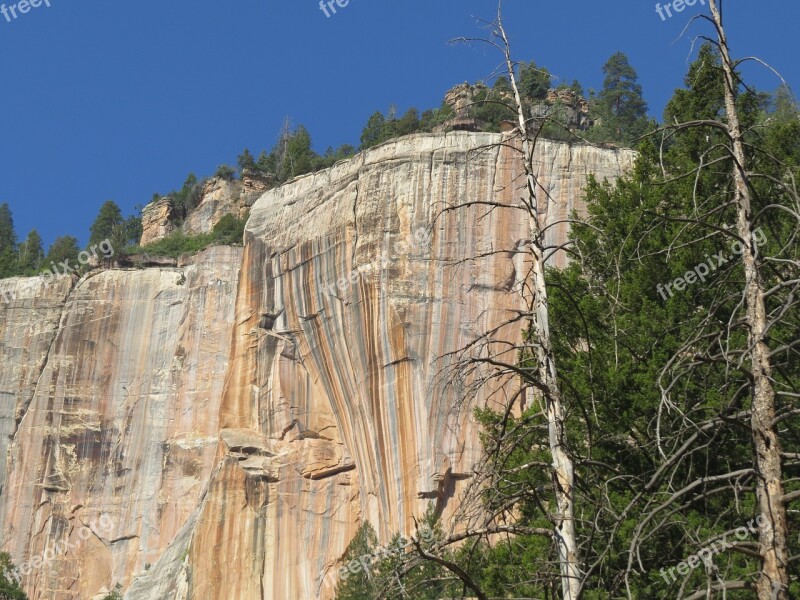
(564, 106)
(157, 221)
(218, 197)
(222, 197)
(225, 437)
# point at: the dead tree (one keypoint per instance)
(766, 443)
(553, 408)
(761, 364)
(539, 384)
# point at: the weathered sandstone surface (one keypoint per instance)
(237, 428)
(156, 221)
(218, 197)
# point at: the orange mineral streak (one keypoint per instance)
(238, 428)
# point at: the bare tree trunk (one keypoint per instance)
(773, 583)
(563, 468)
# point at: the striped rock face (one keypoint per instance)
(224, 436)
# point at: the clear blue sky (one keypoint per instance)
(116, 100)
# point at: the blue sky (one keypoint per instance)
(117, 100)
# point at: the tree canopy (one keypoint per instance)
(620, 107)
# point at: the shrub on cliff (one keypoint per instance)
(116, 594)
(229, 230)
(225, 172)
(178, 243)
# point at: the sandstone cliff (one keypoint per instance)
(218, 197)
(224, 436)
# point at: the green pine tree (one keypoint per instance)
(8, 243)
(534, 82)
(408, 123)
(64, 248)
(300, 156)
(615, 333)
(133, 229)
(626, 341)
(372, 134)
(106, 225)
(9, 586)
(620, 105)
(358, 585)
(246, 161)
(31, 254)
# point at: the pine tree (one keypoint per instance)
(300, 156)
(785, 104)
(225, 172)
(107, 223)
(620, 104)
(64, 248)
(281, 151)
(9, 586)
(187, 198)
(358, 585)
(673, 409)
(266, 163)
(246, 161)
(8, 243)
(133, 228)
(408, 123)
(373, 131)
(534, 82)
(31, 254)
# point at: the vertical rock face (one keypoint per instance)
(31, 309)
(368, 283)
(234, 432)
(117, 438)
(157, 221)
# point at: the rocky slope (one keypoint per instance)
(219, 430)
